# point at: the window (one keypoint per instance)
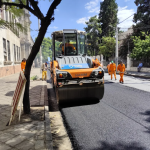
(70, 44)
(8, 50)
(14, 53)
(17, 52)
(4, 49)
(12, 21)
(9, 16)
(81, 44)
(6, 15)
(0, 13)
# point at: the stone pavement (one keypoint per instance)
(30, 133)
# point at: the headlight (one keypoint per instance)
(62, 75)
(96, 73)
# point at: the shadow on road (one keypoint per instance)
(119, 146)
(78, 102)
(10, 93)
(108, 82)
(146, 113)
(11, 82)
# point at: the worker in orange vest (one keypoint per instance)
(96, 63)
(23, 65)
(112, 70)
(121, 68)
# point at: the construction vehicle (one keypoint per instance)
(74, 74)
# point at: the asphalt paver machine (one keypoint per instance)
(74, 74)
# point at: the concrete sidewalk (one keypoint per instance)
(145, 75)
(33, 132)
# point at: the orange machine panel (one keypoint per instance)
(80, 73)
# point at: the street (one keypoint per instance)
(120, 121)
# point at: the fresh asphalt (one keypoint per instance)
(120, 121)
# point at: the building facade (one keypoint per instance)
(14, 45)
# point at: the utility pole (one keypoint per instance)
(40, 48)
(128, 46)
(116, 53)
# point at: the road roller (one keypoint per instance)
(74, 74)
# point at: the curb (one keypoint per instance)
(48, 136)
(144, 77)
(133, 75)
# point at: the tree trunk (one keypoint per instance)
(29, 62)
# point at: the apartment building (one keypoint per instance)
(14, 45)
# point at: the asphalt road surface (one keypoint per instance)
(120, 121)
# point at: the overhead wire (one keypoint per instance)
(125, 19)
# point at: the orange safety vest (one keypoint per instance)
(112, 67)
(121, 68)
(68, 45)
(23, 65)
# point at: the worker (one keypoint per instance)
(121, 68)
(112, 70)
(73, 49)
(44, 68)
(108, 68)
(97, 63)
(23, 65)
(140, 66)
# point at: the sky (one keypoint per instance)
(72, 14)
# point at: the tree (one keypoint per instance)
(108, 17)
(93, 29)
(126, 44)
(142, 17)
(107, 47)
(141, 50)
(46, 49)
(32, 6)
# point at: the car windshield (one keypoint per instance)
(70, 44)
(81, 44)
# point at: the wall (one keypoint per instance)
(8, 70)
(142, 70)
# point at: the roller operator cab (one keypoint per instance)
(75, 75)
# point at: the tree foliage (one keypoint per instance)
(126, 44)
(46, 49)
(93, 29)
(141, 50)
(142, 17)
(107, 47)
(108, 17)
